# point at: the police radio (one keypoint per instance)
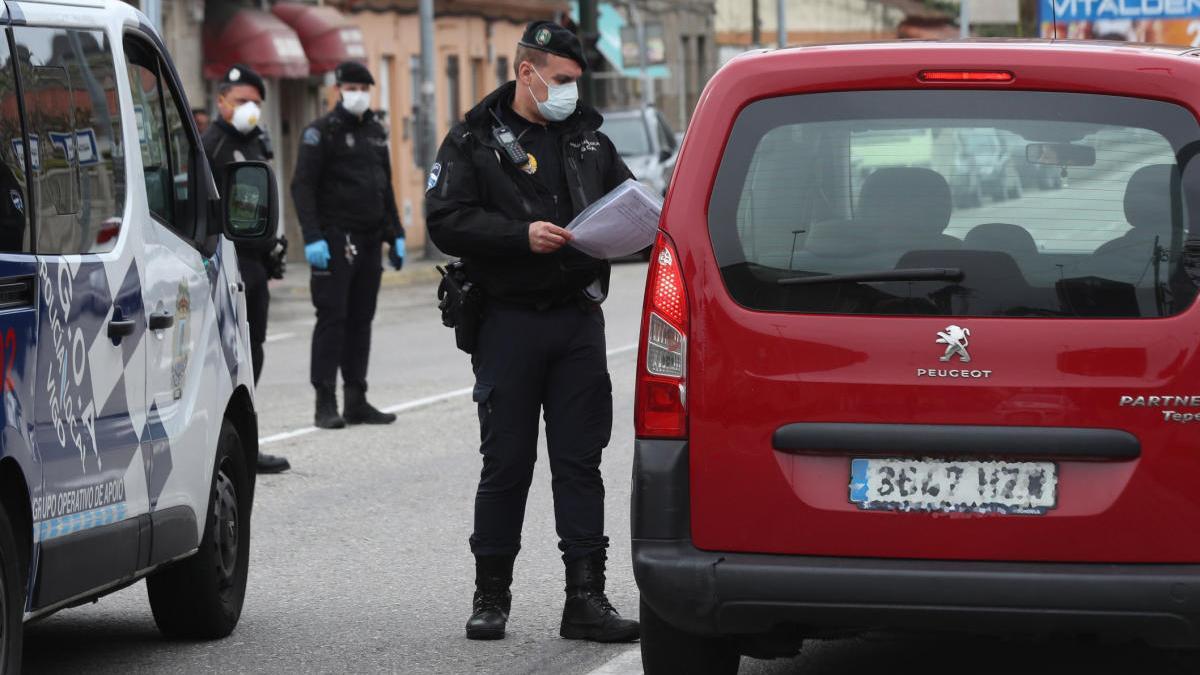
(512, 147)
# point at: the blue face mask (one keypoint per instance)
(561, 102)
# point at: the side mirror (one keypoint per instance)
(250, 201)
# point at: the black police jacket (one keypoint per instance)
(343, 179)
(224, 144)
(479, 205)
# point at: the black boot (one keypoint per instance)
(327, 416)
(493, 576)
(358, 411)
(588, 615)
(272, 463)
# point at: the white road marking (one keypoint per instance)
(405, 407)
(626, 663)
(275, 337)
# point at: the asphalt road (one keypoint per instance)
(360, 559)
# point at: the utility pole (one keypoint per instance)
(964, 19)
(781, 23)
(755, 25)
(426, 140)
(589, 33)
(640, 27)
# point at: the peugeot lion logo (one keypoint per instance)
(956, 339)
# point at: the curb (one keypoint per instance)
(295, 282)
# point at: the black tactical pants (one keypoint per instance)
(258, 301)
(553, 361)
(344, 294)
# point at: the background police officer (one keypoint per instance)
(343, 194)
(236, 136)
(541, 344)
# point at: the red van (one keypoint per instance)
(861, 406)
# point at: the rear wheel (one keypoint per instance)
(201, 597)
(12, 598)
(666, 649)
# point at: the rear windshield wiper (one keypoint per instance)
(904, 274)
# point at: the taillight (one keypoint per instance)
(661, 410)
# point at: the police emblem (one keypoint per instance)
(434, 174)
(530, 167)
(542, 37)
(349, 140)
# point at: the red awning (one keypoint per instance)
(259, 40)
(329, 38)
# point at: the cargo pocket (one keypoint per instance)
(482, 396)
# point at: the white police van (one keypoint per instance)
(127, 425)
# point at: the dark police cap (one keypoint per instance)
(552, 38)
(243, 74)
(353, 72)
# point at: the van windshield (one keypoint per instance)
(1045, 204)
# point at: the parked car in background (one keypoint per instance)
(984, 167)
(646, 142)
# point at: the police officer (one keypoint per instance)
(236, 136)
(521, 165)
(343, 193)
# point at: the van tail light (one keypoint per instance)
(661, 408)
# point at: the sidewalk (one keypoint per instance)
(294, 283)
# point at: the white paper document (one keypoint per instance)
(618, 224)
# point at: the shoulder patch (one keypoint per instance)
(311, 136)
(435, 174)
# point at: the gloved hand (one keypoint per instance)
(317, 254)
(396, 253)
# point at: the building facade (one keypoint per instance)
(807, 21)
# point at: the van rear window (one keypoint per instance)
(959, 203)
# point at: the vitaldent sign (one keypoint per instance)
(1160, 21)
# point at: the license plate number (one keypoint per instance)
(935, 485)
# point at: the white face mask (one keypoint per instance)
(245, 117)
(356, 102)
(561, 102)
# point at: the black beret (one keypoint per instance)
(552, 38)
(353, 72)
(243, 74)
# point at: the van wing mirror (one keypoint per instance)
(250, 201)
(1060, 154)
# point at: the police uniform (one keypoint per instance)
(541, 344)
(257, 262)
(343, 194)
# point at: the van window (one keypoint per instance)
(14, 195)
(167, 147)
(1039, 204)
(69, 85)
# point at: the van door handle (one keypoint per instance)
(162, 320)
(119, 328)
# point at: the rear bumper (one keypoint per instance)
(717, 593)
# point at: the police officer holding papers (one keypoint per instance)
(522, 164)
(347, 209)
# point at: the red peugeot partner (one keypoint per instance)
(875, 391)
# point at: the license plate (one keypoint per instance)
(951, 486)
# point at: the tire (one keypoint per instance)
(12, 599)
(668, 650)
(201, 597)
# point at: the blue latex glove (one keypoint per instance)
(317, 254)
(396, 254)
